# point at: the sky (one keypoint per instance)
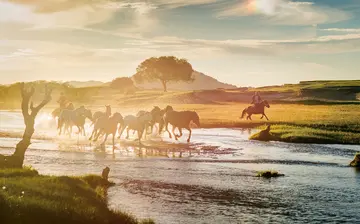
(242, 42)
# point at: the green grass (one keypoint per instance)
(269, 174)
(26, 197)
(356, 160)
(310, 134)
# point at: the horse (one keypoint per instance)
(256, 109)
(180, 120)
(56, 113)
(158, 116)
(135, 123)
(70, 118)
(80, 122)
(107, 126)
(99, 114)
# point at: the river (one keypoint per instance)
(208, 186)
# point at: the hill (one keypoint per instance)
(81, 84)
(201, 82)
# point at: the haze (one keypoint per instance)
(246, 43)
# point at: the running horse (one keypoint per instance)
(180, 120)
(258, 108)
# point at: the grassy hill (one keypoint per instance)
(310, 92)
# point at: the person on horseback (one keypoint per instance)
(256, 99)
(62, 101)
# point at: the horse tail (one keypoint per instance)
(243, 113)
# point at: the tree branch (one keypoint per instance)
(47, 99)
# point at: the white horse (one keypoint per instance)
(107, 125)
(138, 124)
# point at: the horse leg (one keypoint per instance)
(140, 133)
(113, 140)
(173, 131)
(92, 134)
(106, 136)
(167, 129)
(180, 130)
(97, 135)
(265, 116)
(249, 117)
(127, 133)
(189, 129)
(121, 131)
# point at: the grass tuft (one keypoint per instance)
(356, 160)
(269, 174)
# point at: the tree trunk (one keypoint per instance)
(164, 83)
(16, 160)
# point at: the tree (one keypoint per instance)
(165, 69)
(122, 83)
(16, 160)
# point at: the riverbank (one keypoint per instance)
(27, 197)
(303, 134)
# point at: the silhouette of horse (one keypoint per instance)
(69, 118)
(135, 123)
(107, 125)
(256, 109)
(99, 114)
(56, 113)
(158, 117)
(180, 120)
(80, 122)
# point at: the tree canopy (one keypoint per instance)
(122, 83)
(165, 69)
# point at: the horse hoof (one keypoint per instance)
(188, 140)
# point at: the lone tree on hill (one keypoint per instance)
(16, 160)
(122, 83)
(166, 69)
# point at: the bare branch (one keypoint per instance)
(46, 100)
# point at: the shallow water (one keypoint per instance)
(210, 186)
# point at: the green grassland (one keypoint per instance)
(27, 197)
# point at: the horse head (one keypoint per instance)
(108, 110)
(88, 114)
(70, 106)
(118, 118)
(81, 111)
(266, 104)
(196, 119)
(168, 108)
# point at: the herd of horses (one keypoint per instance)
(106, 123)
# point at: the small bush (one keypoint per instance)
(269, 174)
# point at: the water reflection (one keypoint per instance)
(210, 181)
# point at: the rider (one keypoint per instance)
(256, 98)
(62, 101)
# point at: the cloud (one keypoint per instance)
(286, 12)
(318, 45)
(342, 30)
(75, 16)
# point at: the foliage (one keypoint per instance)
(122, 83)
(165, 69)
(356, 160)
(29, 198)
(269, 174)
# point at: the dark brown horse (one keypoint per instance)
(180, 120)
(256, 109)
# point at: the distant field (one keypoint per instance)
(331, 106)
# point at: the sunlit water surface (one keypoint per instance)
(208, 186)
